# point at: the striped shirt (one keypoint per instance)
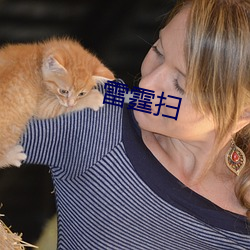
(113, 194)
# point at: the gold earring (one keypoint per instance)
(235, 158)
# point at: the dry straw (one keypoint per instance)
(10, 240)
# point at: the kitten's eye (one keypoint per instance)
(63, 91)
(82, 94)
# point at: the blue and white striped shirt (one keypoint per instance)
(112, 193)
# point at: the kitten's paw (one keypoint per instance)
(15, 156)
(98, 100)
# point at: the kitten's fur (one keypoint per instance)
(44, 80)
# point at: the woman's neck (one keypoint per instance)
(190, 163)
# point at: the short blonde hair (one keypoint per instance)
(217, 53)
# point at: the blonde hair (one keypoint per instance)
(217, 51)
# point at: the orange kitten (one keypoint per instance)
(44, 80)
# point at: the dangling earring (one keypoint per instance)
(235, 158)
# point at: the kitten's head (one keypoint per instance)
(70, 71)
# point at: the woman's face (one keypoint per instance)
(163, 70)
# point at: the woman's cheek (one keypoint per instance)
(172, 107)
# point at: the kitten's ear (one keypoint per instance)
(103, 72)
(51, 65)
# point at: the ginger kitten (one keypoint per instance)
(44, 80)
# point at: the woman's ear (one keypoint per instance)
(243, 121)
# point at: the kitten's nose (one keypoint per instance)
(71, 103)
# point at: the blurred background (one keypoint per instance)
(119, 32)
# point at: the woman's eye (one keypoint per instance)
(178, 87)
(63, 91)
(155, 49)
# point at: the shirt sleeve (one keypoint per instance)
(55, 142)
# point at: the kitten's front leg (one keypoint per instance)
(13, 157)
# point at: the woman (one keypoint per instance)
(126, 179)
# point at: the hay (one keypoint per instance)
(10, 240)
